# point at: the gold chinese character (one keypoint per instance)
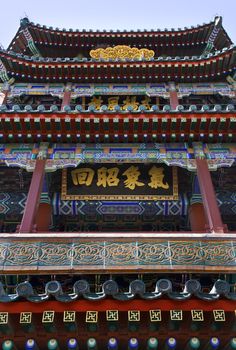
(145, 102)
(112, 102)
(96, 102)
(157, 177)
(130, 102)
(108, 177)
(82, 176)
(132, 174)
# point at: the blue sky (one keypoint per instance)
(113, 14)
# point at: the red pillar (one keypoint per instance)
(44, 213)
(33, 197)
(43, 217)
(174, 101)
(212, 211)
(197, 217)
(3, 100)
(66, 98)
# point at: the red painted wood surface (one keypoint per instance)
(209, 197)
(85, 124)
(174, 99)
(111, 304)
(66, 99)
(5, 93)
(197, 217)
(33, 198)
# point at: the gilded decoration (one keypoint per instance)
(133, 316)
(219, 315)
(176, 315)
(122, 52)
(155, 315)
(120, 182)
(112, 315)
(68, 316)
(197, 315)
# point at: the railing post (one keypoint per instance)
(33, 198)
(212, 211)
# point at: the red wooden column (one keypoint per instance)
(33, 197)
(197, 217)
(43, 217)
(3, 99)
(174, 101)
(66, 98)
(212, 211)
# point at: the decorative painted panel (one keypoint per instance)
(61, 155)
(146, 255)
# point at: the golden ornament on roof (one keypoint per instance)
(122, 52)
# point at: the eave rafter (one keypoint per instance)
(102, 127)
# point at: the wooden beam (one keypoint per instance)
(33, 198)
(111, 304)
(212, 211)
(68, 237)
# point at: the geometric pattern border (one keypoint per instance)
(113, 315)
(113, 255)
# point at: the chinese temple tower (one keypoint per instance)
(118, 192)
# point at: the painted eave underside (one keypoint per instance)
(202, 68)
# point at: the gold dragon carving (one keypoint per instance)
(122, 52)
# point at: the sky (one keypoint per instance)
(114, 14)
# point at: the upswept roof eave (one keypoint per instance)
(15, 39)
(180, 31)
